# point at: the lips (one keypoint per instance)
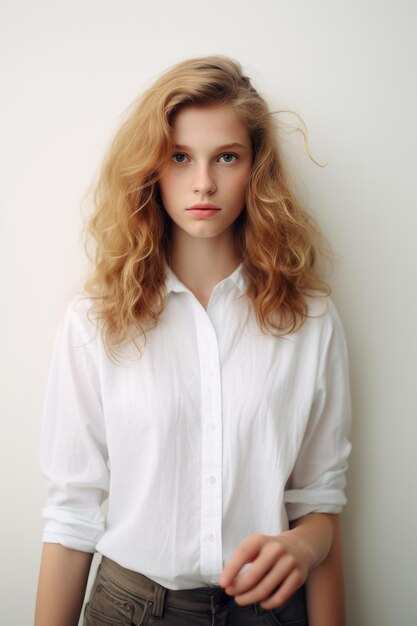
(203, 211)
(204, 207)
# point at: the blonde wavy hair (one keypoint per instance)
(277, 241)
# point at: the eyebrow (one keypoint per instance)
(227, 146)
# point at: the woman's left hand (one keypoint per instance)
(279, 566)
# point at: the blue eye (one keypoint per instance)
(179, 157)
(228, 158)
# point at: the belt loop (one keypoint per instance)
(158, 601)
(258, 609)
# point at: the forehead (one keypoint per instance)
(211, 125)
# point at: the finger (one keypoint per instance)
(245, 553)
(269, 583)
(284, 592)
(267, 558)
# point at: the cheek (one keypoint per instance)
(167, 189)
(238, 186)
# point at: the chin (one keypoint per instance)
(204, 233)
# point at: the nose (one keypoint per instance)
(204, 181)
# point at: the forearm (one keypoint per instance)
(61, 588)
(325, 586)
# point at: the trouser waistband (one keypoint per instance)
(204, 599)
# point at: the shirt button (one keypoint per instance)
(212, 372)
(212, 480)
(212, 425)
(211, 538)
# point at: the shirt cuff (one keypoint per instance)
(72, 529)
(300, 502)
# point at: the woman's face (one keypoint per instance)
(209, 168)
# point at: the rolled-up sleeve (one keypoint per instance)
(73, 450)
(318, 480)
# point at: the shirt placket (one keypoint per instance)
(211, 446)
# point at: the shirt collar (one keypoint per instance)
(173, 283)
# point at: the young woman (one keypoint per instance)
(200, 385)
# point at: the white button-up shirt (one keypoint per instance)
(218, 431)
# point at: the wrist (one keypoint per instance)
(313, 535)
(302, 546)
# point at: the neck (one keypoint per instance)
(202, 263)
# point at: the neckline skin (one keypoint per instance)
(174, 284)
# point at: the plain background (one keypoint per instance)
(68, 71)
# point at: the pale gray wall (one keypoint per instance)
(68, 69)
